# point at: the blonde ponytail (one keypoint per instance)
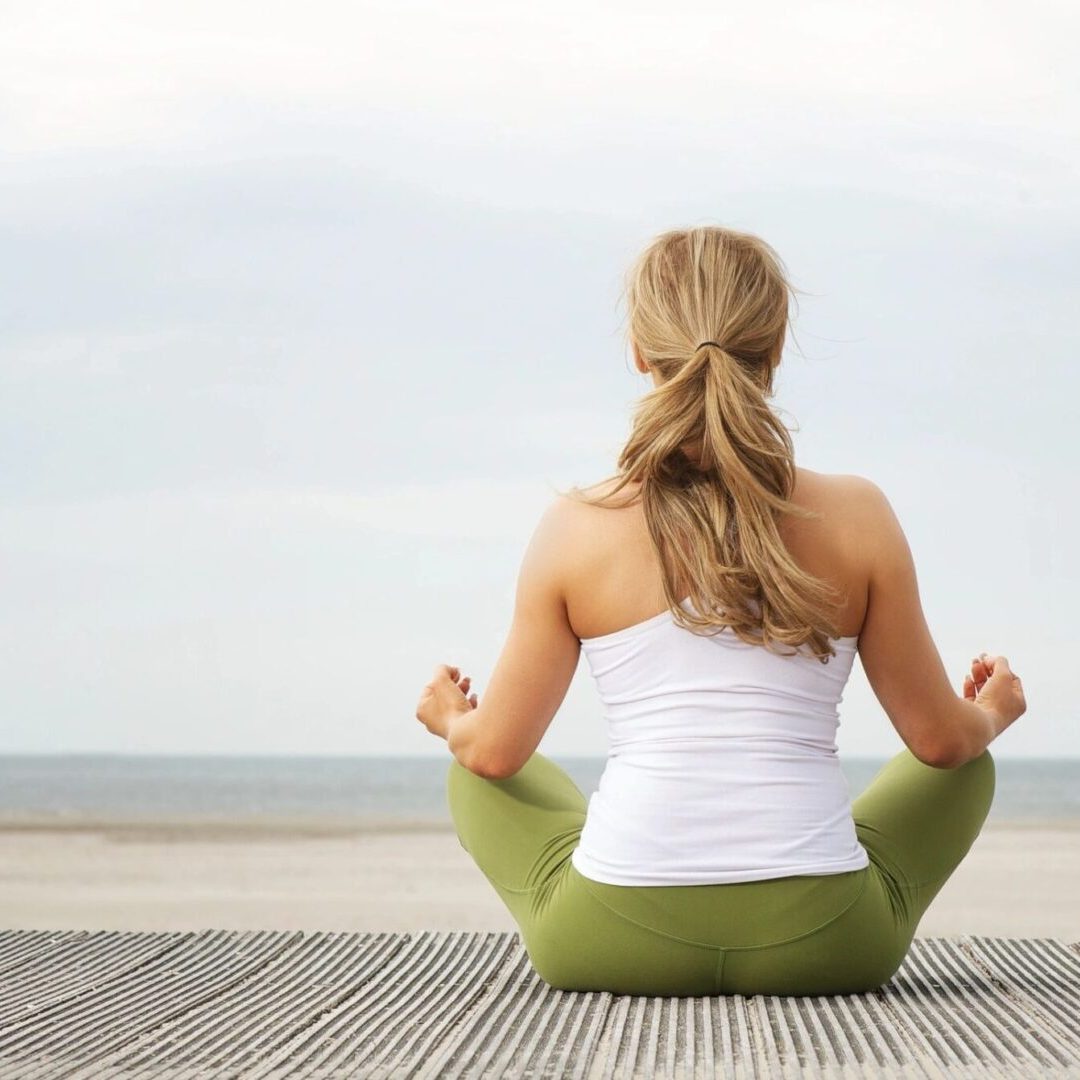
(709, 313)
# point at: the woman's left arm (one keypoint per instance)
(495, 737)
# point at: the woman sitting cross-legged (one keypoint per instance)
(719, 594)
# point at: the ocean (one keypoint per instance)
(67, 789)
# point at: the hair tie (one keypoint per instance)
(704, 343)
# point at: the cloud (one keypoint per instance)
(463, 98)
(308, 313)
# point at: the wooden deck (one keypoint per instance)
(310, 1004)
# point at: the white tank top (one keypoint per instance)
(722, 762)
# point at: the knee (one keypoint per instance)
(453, 780)
(982, 772)
(460, 784)
(459, 779)
(474, 801)
(985, 763)
(454, 772)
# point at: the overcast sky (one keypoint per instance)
(307, 312)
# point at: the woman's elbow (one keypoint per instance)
(942, 754)
(489, 766)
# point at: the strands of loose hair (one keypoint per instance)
(712, 514)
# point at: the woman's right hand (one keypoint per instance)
(994, 686)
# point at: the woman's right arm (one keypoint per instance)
(901, 661)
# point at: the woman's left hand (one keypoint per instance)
(445, 697)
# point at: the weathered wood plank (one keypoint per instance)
(268, 1004)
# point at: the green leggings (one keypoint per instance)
(806, 934)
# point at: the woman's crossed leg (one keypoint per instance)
(916, 822)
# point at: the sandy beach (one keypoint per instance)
(1021, 879)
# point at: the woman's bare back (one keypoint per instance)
(615, 581)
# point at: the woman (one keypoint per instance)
(719, 594)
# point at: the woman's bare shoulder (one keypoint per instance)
(848, 489)
(602, 488)
(848, 511)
